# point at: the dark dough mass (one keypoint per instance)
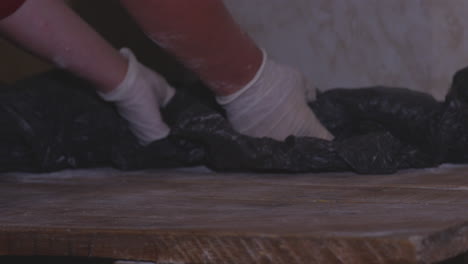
(55, 121)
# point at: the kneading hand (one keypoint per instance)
(273, 105)
(138, 99)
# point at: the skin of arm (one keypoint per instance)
(51, 30)
(203, 36)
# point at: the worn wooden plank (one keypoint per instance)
(181, 217)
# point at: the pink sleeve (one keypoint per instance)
(8, 7)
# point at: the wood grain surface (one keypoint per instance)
(187, 217)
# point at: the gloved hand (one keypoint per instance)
(273, 105)
(138, 99)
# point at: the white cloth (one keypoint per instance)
(138, 99)
(273, 105)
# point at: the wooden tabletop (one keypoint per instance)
(187, 217)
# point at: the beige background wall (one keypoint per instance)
(336, 43)
(410, 43)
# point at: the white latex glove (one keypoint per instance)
(138, 99)
(273, 105)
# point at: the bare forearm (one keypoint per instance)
(204, 36)
(50, 29)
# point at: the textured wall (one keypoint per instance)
(346, 43)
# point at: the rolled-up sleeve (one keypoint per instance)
(8, 7)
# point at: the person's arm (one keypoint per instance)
(50, 29)
(261, 96)
(202, 35)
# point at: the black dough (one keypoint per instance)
(55, 121)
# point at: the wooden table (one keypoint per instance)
(201, 217)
